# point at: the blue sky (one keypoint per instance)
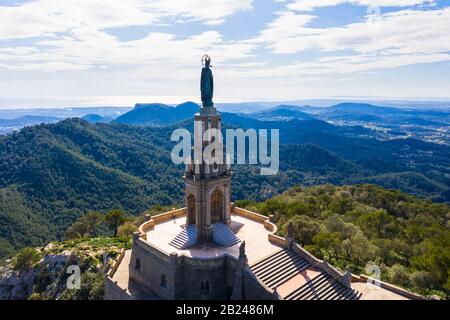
(106, 52)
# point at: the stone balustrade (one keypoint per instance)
(256, 217)
(117, 263)
(160, 218)
(390, 287)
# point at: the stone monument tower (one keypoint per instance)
(208, 178)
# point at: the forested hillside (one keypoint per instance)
(51, 174)
(353, 226)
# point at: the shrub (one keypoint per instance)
(423, 281)
(398, 274)
(127, 229)
(25, 259)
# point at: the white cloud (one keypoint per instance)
(394, 39)
(40, 17)
(337, 65)
(420, 31)
(91, 49)
(308, 5)
(70, 34)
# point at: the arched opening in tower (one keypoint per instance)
(216, 206)
(191, 209)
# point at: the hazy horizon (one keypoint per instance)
(314, 102)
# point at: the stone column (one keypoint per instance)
(198, 219)
(226, 209)
(208, 208)
(207, 227)
(186, 204)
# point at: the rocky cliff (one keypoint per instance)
(71, 270)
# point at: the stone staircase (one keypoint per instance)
(279, 267)
(282, 266)
(323, 287)
(223, 235)
(186, 238)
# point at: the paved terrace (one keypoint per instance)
(253, 233)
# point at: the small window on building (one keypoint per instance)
(163, 281)
(137, 264)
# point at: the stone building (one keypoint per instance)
(211, 249)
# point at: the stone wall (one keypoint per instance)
(185, 277)
(254, 289)
(153, 269)
(216, 274)
(114, 292)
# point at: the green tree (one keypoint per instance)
(330, 242)
(335, 223)
(77, 230)
(127, 229)
(362, 249)
(399, 274)
(423, 281)
(378, 224)
(114, 219)
(92, 220)
(433, 255)
(304, 229)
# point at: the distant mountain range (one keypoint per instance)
(281, 113)
(63, 113)
(398, 122)
(27, 121)
(160, 114)
(345, 111)
(95, 118)
(157, 114)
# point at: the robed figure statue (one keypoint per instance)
(207, 83)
